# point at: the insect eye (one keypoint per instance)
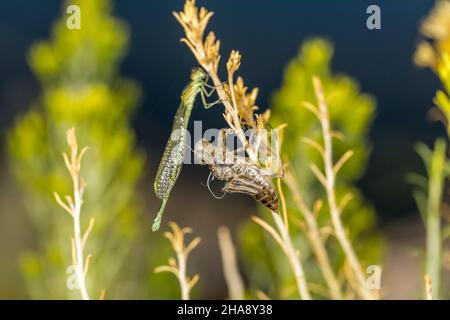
(193, 73)
(197, 74)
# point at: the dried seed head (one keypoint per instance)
(436, 27)
(425, 55)
(245, 102)
(234, 61)
(194, 22)
(212, 47)
(71, 139)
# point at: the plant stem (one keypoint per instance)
(79, 267)
(335, 213)
(317, 245)
(323, 260)
(230, 267)
(428, 288)
(182, 275)
(178, 267)
(293, 257)
(73, 207)
(283, 203)
(232, 111)
(433, 221)
(433, 248)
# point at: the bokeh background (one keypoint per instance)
(268, 34)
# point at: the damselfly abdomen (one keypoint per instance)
(172, 159)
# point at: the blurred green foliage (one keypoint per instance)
(78, 73)
(429, 191)
(351, 114)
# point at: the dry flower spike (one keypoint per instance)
(73, 205)
(239, 105)
(178, 266)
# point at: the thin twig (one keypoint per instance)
(428, 287)
(73, 207)
(178, 267)
(293, 256)
(283, 238)
(313, 235)
(329, 185)
(283, 203)
(230, 268)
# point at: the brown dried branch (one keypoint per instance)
(178, 267)
(73, 206)
(312, 232)
(285, 242)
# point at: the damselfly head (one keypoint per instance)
(198, 74)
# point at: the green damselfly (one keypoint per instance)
(172, 159)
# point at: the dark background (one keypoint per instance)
(268, 34)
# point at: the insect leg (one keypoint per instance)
(209, 187)
(213, 88)
(209, 105)
(207, 93)
(206, 105)
(205, 83)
